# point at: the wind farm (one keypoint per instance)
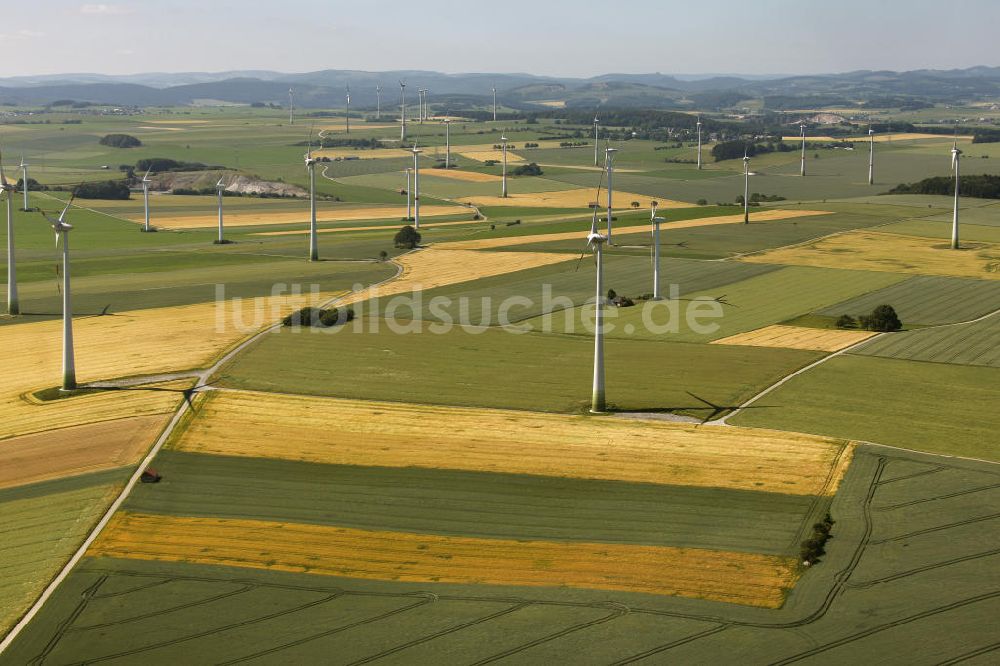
(221, 445)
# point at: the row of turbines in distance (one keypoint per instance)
(423, 108)
(595, 240)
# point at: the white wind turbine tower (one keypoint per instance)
(311, 166)
(420, 105)
(409, 194)
(955, 158)
(596, 241)
(609, 156)
(291, 107)
(447, 143)
(378, 101)
(62, 230)
(503, 182)
(416, 186)
(24, 181)
(699, 143)
(802, 133)
(219, 187)
(8, 189)
(402, 117)
(596, 122)
(871, 156)
(348, 110)
(145, 198)
(746, 188)
(656, 252)
(494, 102)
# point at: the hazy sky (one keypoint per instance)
(537, 36)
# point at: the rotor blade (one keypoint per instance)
(3, 176)
(144, 178)
(69, 203)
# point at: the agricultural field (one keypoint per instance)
(425, 482)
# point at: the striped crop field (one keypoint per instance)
(797, 337)
(975, 343)
(744, 306)
(401, 435)
(767, 215)
(927, 300)
(754, 580)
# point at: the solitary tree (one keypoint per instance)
(407, 238)
(882, 319)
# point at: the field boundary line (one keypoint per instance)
(181, 410)
(723, 420)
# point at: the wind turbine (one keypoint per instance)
(62, 229)
(24, 182)
(219, 187)
(955, 158)
(699, 143)
(802, 133)
(8, 189)
(746, 187)
(291, 107)
(378, 101)
(348, 110)
(503, 182)
(494, 102)
(656, 252)
(609, 156)
(311, 166)
(409, 193)
(871, 156)
(402, 117)
(596, 241)
(416, 186)
(145, 198)
(447, 143)
(420, 105)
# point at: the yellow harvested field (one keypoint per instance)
(490, 154)
(158, 340)
(874, 251)
(77, 450)
(432, 267)
(394, 227)
(469, 176)
(241, 219)
(553, 103)
(762, 216)
(743, 578)
(177, 122)
(161, 127)
(796, 337)
(579, 197)
(492, 440)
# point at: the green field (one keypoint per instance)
(908, 576)
(927, 300)
(552, 372)
(758, 301)
(935, 407)
(43, 523)
(977, 343)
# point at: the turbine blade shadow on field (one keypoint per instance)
(188, 393)
(685, 411)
